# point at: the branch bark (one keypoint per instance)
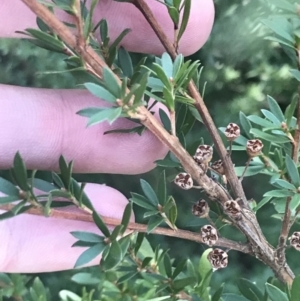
(183, 234)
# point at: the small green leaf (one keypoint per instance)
(290, 110)
(205, 271)
(110, 114)
(168, 266)
(126, 217)
(153, 223)
(43, 185)
(268, 137)
(100, 92)
(296, 74)
(19, 172)
(279, 193)
(260, 121)
(292, 170)
(8, 199)
(250, 290)
(111, 83)
(173, 13)
(275, 293)
(162, 188)
(149, 192)
(185, 19)
(125, 62)
(246, 125)
(120, 37)
(162, 76)
(284, 184)
(295, 292)
(88, 236)
(179, 268)
(217, 295)
(141, 201)
(103, 30)
(85, 279)
(271, 117)
(275, 109)
(113, 258)
(281, 27)
(8, 188)
(167, 64)
(90, 254)
(165, 120)
(182, 283)
(100, 224)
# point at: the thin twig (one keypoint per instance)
(173, 122)
(85, 217)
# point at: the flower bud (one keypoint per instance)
(209, 235)
(218, 259)
(184, 180)
(254, 147)
(232, 131)
(200, 209)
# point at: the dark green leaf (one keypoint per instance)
(217, 295)
(19, 172)
(268, 137)
(125, 62)
(141, 201)
(246, 125)
(100, 92)
(8, 188)
(250, 290)
(110, 114)
(233, 297)
(85, 279)
(167, 64)
(292, 170)
(89, 254)
(8, 199)
(153, 223)
(88, 236)
(120, 37)
(179, 268)
(111, 83)
(275, 109)
(295, 291)
(149, 192)
(165, 120)
(162, 188)
(168, 266)
(113, 258)
(126, 216)
(182, 283)
(100, 224)
(185, 19)
(275, 293)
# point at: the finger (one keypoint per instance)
(33, 244)
(125, 15)
(42, 125)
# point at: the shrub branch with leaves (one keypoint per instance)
(272, 145)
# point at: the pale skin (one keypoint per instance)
(42, 125)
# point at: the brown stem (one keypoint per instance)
(248, 223)
(85, 217)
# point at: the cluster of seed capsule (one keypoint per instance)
(203, 156)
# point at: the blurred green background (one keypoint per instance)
(240, 68)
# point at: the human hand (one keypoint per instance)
(42, 125)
